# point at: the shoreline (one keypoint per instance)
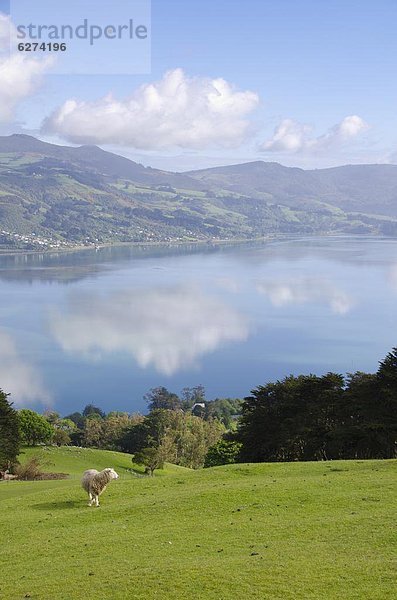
(263, 239)
(176, 243)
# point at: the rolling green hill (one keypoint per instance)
(59, 196)
(299, 531)
(74, 461)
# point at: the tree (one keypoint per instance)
(10, 438)
(93, 432)
(161, 398)
(77, 418)
(61, 437)
(155, 456)
(193, 437)
(292, 419)
(387, 403)
(225, 410)
(66, 425)
(92, 410)
(368, 417)
(147, 433)
(51, 416)
(115, 425)
(224, 452)
(192, 396)
(185, 437)
(315, 418)
(387, 372)
(35, 429)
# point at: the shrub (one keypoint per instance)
(32, 470)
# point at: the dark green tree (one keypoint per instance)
(386, 406)
(92, 410)
(77, 418)
(10, 438)
(313, 418)
(292, 419)
(147, 433)
(161, 398)
(150, 458)
(225, 452)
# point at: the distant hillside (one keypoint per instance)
(358, 188)
(60, 196)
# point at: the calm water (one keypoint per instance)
(106, 326)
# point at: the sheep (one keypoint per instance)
(6, 476)
(94, 483)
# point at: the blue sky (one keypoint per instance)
(305, 66)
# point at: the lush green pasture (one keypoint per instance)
(264, 531)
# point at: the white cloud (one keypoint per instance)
(305, 290)
(291, 136)
(177, 111)
(19, 378)
(168, 329)
(20, 73)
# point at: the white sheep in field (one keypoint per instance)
(94, 482)
(6, 476)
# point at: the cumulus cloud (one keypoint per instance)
(168, 329)
(20, 73)
(291, 136)
(177, 111)
(18, 377)
(305, 290)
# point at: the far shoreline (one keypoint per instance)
(221, 242)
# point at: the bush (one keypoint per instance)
(32, 470)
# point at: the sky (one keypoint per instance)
(305, 83)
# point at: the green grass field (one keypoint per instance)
(264, 531)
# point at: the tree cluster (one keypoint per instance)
(193, 400)
(93, 428)
(303, 417)
(173, 436)
(180, 430)
(322, 418)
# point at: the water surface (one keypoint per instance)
(106, 326)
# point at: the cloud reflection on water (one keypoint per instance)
(392, 277)
(18, 377)
(168, 329)
(304, 290)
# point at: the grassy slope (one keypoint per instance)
(268, 531)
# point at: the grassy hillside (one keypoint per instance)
(61, 197)
(264, 531)
(74, 461)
